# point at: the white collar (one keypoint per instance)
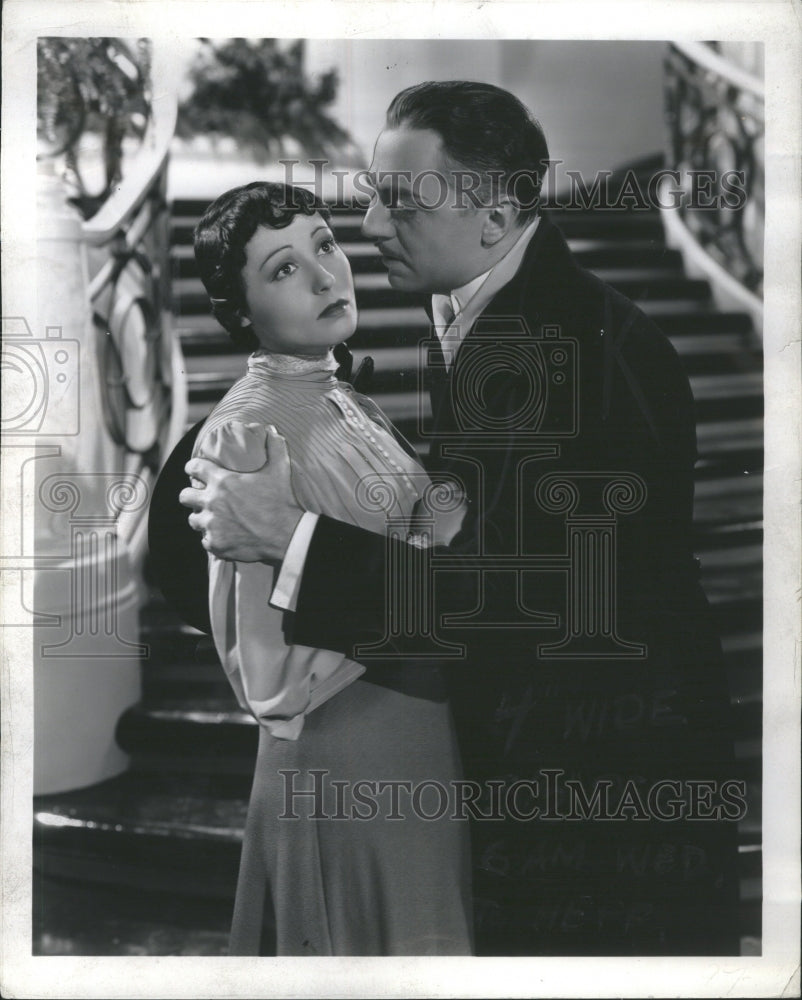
(468, 301)
(459, 298)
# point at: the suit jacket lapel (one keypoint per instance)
(531, 290)
(527, 295)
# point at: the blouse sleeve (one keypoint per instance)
(278, 683)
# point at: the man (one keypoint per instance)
(588, 672)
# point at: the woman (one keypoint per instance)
(334, 841)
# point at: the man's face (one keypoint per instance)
(427, 243)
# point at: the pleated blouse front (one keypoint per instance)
(346, 463)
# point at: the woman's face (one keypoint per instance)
(298, 288)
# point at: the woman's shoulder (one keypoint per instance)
(233, 434)
(237, 444)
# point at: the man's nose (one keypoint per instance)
(377, 223)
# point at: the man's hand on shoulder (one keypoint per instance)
(244, 516)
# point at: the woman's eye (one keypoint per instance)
(329, 245)
(284, 271)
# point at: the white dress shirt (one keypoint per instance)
(453, 316)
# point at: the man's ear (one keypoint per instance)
(500, 222)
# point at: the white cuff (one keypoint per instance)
(288, 584)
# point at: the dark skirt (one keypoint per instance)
(320, 874)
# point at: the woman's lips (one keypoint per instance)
(335, 309)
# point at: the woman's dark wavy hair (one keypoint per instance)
(222, 235)
(483, 128)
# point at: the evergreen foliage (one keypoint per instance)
(91, 85)
(256, 92)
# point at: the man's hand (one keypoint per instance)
(438, 516)
(245, 516)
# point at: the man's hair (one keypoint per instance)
(223, 233)
(483, 128)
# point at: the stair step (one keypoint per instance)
(734, 439)
(727, 397)
(743, 657)
(644, 258)
(374, 290)
(679, 323)
(204, 682)
(200, 728)
(717, 397)
(740, 535)
(402, 318)
(74, 919)
(741, 455)
(357, 204)
(726, 386)
(210, 735)
(407, 320)
(734, 576)
(161, 623)
(742, 609)
(388, 361)
(716, 466)
(188, 672)
(189, 295)
(152, 831)
(721, 588)
(172, 640)
(734, 557)
(742, 484)
(744, 508)
(200, 807)
(610, 227)
(728, 407)
(574, 224)
(743, 652)
(398, 368)
(99, 921)
(410, 358)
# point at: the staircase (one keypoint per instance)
(146, 863)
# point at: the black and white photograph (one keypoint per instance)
(400, 489)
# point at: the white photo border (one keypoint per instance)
(776, 971)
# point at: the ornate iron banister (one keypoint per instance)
(139, 363)
(139, 179)
(704, 56)
(715, 114)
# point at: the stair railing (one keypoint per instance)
(142, 386)
(715, 114)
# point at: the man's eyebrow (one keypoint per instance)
(390, 179)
